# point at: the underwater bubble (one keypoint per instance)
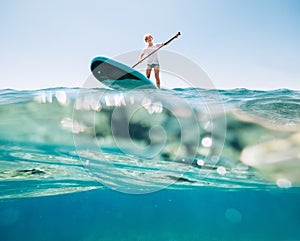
(233, 215)
(221, 170)
(283, 183)
(206, 142)
(200, 162)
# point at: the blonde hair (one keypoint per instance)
(147, 36)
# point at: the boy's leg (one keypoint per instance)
(148, 71)
(156, 72)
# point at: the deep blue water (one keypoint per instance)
(206, 214)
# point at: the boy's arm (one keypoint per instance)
(141, 56)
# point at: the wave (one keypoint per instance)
(67, 140)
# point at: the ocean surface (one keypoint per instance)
(160, 165)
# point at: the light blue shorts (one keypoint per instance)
(152, 65)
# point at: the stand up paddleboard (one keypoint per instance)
(119, 76)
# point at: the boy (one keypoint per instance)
(153, 59)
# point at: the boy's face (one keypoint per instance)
(149, 39)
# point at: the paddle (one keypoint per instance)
(164, 44)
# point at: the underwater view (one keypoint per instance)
(140, 165)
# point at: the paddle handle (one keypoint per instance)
(171, 39)
(165, 43)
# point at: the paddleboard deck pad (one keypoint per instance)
(119, 76)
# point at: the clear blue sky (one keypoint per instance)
(239, 43)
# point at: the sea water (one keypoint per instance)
(182, 164)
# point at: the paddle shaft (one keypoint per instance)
(171, 39)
